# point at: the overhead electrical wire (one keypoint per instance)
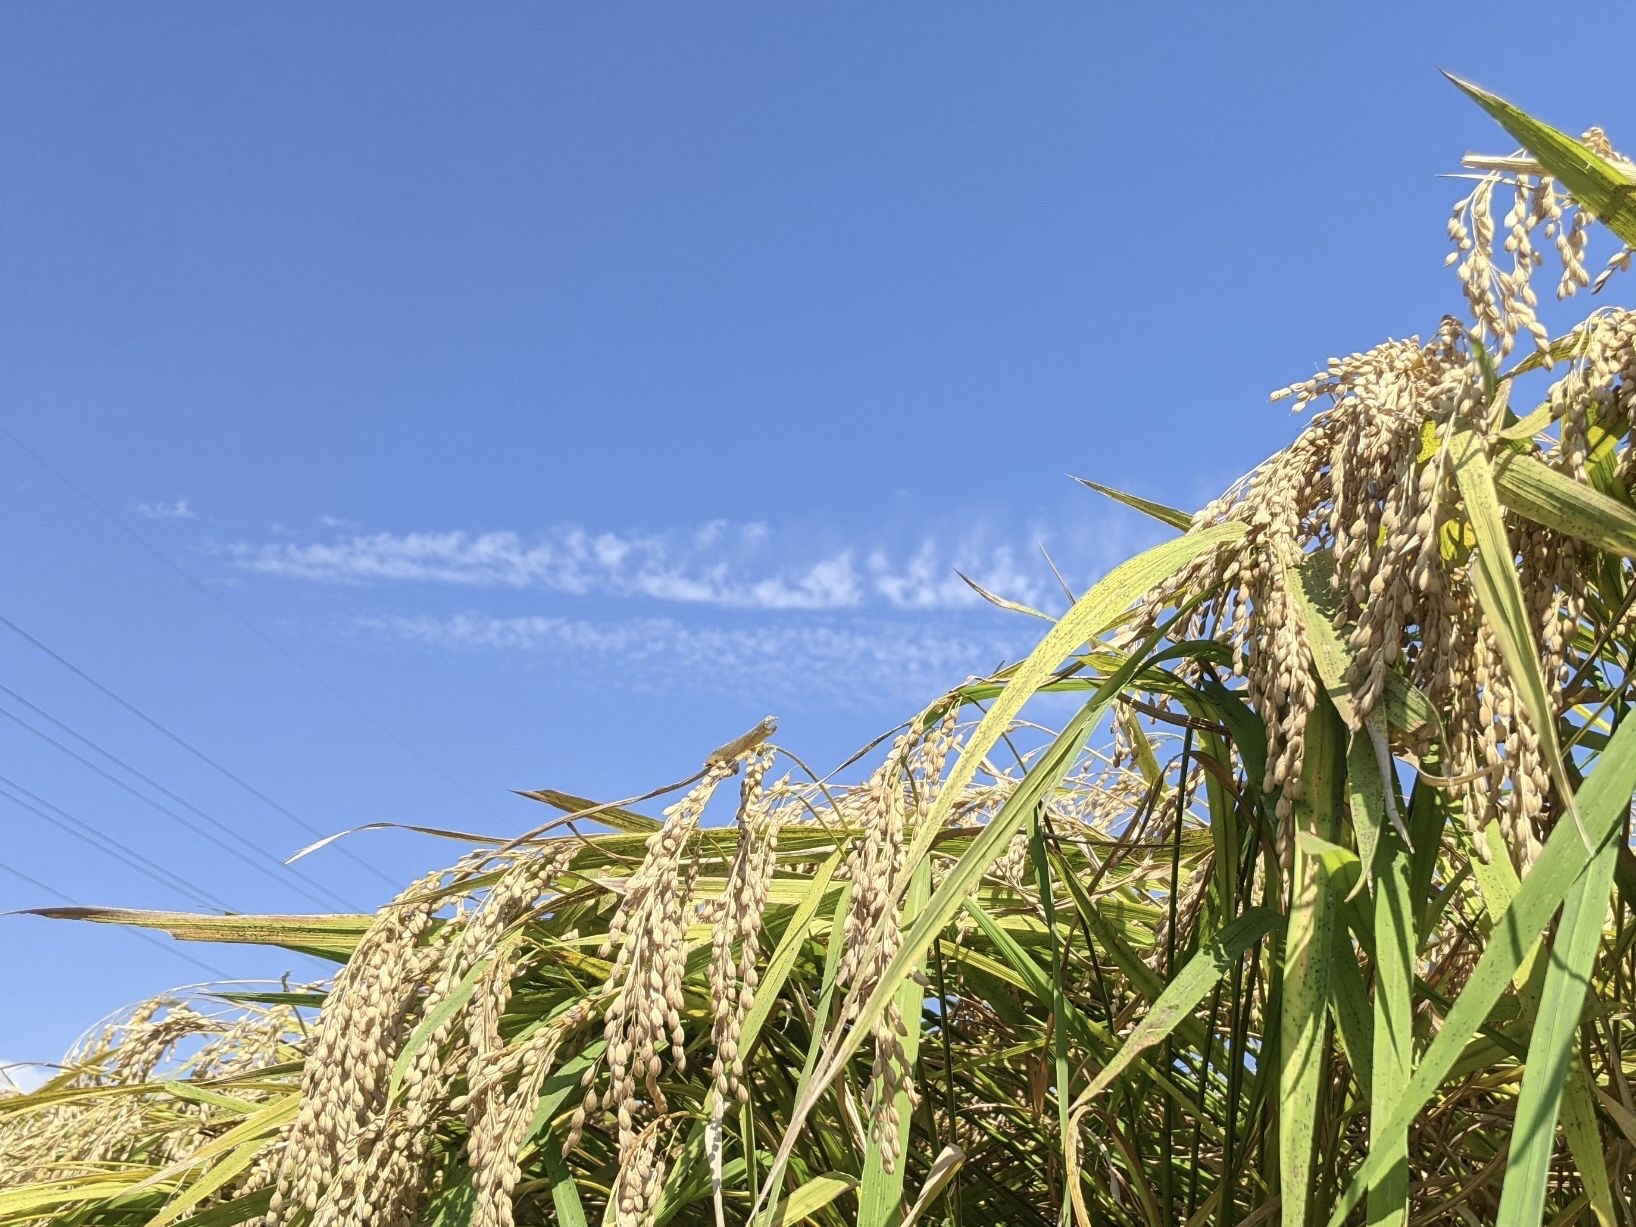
(358, 709)
(109, 846)
(181, 741)
(226, 847)
(160, 788)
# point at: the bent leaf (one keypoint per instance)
(1534, 490)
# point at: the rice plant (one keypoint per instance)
(1318, 909)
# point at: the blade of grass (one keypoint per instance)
(812, 1197)
(426, 1030)
(1086, 1032)
(1396, 941)
(942, 1171)
(1091, 615)
(1308, 946)
(611, 816)
(1172, 516)
(1059, 997)
(1584, 1136)
(332, 937)
(212, 1180)
(821, 1015)
(1551, 1049)
(1369, 783)
(246, 1209)
(1349, 1003)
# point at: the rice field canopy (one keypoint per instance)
(1314, 906)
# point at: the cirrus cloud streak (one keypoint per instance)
(717, 565)
(894, 658)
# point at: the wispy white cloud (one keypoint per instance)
(718, 565)
(879, 658)
(179, 510)
(929, 580)
(723, 606)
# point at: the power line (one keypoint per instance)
(143, 934)
(158, 787)
(109, 846)
(188, 746)
(357, 709)
(189, 824)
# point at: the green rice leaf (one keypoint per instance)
(1308, 948)
(880, 1193)
(20, 1204)
(1396, 941)
(1551, 1050)
(246, 1209)
(1603, 799)
(211, 1181)
(1165, 515)
(1605, 189)
(812, 1197)
(1534, 490)
(1349, 1004)
(1579, 1126)
(825, 1008)
(1369, 759)
(1183, 994)
(1526, 428)
(1500, 595)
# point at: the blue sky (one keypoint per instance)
(416, 405)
